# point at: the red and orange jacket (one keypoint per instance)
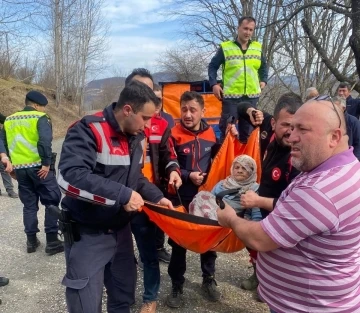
(195, 150)
(160, 158)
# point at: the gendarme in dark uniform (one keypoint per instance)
(27, 135)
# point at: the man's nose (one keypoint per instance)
(147, 124)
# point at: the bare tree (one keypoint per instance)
(57, 30)
(26, 72)
(293, 58)
(186, 63)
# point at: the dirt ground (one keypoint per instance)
(35, 278)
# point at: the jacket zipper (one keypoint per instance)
(197, 163)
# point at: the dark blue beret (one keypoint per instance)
(36, 97)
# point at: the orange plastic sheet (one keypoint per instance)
(200, 234)
(171, 97)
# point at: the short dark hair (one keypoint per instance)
(344, 85)
(289, 101)
(157, 87)
(136, 94)
(192, 95)
(246, 18)
(142, 72)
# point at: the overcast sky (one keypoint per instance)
(139, 32)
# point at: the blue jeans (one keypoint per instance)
(145, 235)
(272, 311)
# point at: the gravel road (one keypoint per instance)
(35, 278)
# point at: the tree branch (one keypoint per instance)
(322, 53)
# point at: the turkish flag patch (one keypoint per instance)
(276, 173)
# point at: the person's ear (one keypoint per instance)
(336, 137)
(127, 110)
(273, 123)
(203, 112)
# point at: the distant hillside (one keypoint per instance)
(108, 89)
(12, 98)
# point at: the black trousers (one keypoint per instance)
(177, 265)
(229, 108)
(32, 189)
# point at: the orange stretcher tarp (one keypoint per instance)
(200, 234)
(171, 97)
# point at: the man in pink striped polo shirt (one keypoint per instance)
(309, 245)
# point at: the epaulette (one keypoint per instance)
(89, 119)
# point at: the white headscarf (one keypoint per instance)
(250, 166)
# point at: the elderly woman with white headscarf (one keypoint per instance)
(242, 178)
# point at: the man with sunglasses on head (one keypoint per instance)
(309, 245)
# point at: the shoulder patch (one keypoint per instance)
(87, 120)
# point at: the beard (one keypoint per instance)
(308, 159)
(283, 140)
(297, 163)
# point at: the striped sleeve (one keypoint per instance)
(305, 212)
(76, 177)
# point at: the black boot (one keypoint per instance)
(174, 299)
(32, 243)
(3, 281)
(53, 244)
(210, 288)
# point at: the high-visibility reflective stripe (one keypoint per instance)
(155, 138)
(26, 165)
(105, 157)
(82, 194)
(143, 145)
(171, 163)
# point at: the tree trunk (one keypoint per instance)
(57, 52)
(355, 36)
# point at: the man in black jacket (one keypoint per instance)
(5, 175)
(352, 127)
(100, 172)
(352, 105)
(277, 171)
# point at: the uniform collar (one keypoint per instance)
(29, 108)
(203, 126)
(108, 113)
(110, 117)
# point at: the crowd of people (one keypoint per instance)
(300, 224)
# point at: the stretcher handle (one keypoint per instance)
(178, 195)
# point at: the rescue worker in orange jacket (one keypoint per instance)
(195, 145)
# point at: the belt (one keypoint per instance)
(93, 230)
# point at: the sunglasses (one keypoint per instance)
(328, 98)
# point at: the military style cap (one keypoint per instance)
(36, 97)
